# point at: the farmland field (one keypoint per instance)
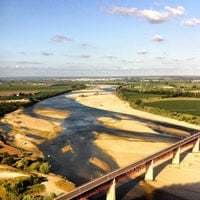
(175, 99)
(16, 94)
(178, 105)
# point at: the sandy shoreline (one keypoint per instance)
(98, 98)
(27, 133)
(127, 151)
(23, 125)
(52, 113)
(124, 150)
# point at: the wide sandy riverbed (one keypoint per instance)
(88, 133)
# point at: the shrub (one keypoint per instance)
(44, 168)
(22, 164)
(50, 197)
(138, 102)
(37, 188)
(27, 197)
(32, 197)
(18, 188)
(34, 166)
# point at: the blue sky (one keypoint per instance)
(99, 37)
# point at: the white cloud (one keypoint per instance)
(152, 16)
(110, 57)
(86, 45)
(192, 22)
(28, 63)
(123, 11)
(138, 61)
(124, 61)
(160, 57)
(85, 56)
(190, 58)
(22, 53)
(61, 39)
(176, 11)
(44, 53)
(158, 38)
(142, 52)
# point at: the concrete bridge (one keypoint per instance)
(145, 166)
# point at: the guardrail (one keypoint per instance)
(99, 184)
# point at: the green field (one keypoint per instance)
(179, 100)
(131, 95)
(191, 107)
(12, 92)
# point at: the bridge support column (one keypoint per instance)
(176, 158)
(196, 146)
(149, 172)
(111, 192)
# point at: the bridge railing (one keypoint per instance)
(94, 184)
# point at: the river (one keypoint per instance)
(79, 132)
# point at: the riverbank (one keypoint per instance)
(111, 102)
(7, 106)
(24, 133)
(23, 126)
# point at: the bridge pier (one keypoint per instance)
(176, 158)
(111, 192)
(149, 173)
(196, 146)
